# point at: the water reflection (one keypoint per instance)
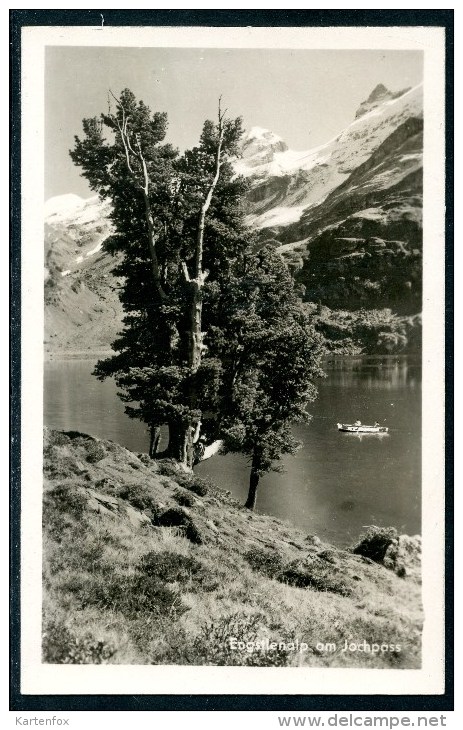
(376, 372)
(335, 485)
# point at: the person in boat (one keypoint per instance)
(358, 423)
(376, 424)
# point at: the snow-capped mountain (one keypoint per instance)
(79, 226)
(346, 215)
(82, 310)
(286, 182)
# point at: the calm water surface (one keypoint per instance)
(335, 485)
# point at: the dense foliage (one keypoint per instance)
(214, 339)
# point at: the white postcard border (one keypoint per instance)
(38, 678)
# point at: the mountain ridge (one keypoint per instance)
(364, 184)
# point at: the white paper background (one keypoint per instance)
(47, 679)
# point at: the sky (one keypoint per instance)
(306, 97)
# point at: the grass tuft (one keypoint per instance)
(168, 566)
(61, 646)
(267, 562)
(316, 576)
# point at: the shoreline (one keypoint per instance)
(62, 355)
(50, 356)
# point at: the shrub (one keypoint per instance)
(139, 497)
(57, 438)
(375, 542)
(146, 595)
(194, 483)
(169, 468)
(212, 645)
(146, 460)
(267, 562)
(94, 452)
(60, 646)
(315, 576)
(65, 499)
(183, 498)
(168, 566)
(63, 467)
(199, 486)
(328, 555)
(177, 517)
(132, 595)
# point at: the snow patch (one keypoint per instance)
(73, 208)
(279, 216)
(63, 204)
(414, 156)
(262, 134)
(373, 214)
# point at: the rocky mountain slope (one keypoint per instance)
(286, 183)
(144, 564)
(82, 309)
(346, 215)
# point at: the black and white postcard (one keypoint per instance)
(232, 360)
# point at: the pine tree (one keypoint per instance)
(214, 337)
(178, 225)
(271, 354)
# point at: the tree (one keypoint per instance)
(178, 227)
(271, 354)
(214, 337)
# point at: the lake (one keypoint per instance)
(335, 485)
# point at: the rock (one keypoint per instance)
(105, 499)
(136, 517)
(102, 503)
(327, 555)
(403, 556)
(178, 517)
(313, 539)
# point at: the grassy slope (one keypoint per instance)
(123, 584)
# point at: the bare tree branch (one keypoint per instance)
(185, 271)
(144, 187)
(207, 202)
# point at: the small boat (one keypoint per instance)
(353, 428)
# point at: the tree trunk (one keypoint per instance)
(152, 239)
(253, 482)
(155, 437)
(196, 335)
(252, 494)
(181, 447)
(196, 283)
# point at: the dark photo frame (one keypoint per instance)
(21, 19)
